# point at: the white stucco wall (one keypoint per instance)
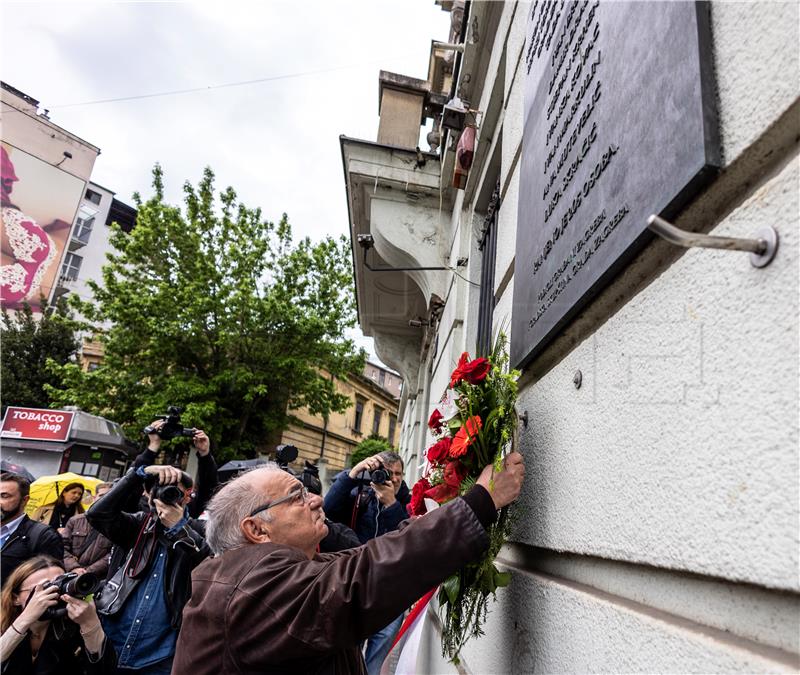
(660, 527)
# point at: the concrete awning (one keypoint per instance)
(394, 195)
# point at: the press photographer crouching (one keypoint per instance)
(49, 623)
(141, 605)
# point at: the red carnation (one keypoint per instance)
(470, 371)
(435, 420)
(454, 473)
(438, 452)
(465, 436)
(417, 503)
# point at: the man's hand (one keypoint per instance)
(154, 440)
(504, 487)
(201, 442)
(167, 475)
(169, 514)
(384, 492)
(368, 464)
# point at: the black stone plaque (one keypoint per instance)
(620, 123)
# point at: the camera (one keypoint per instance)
(285, 454)
(309, 477)
(71, 583)
(378, 476)
(169, 494)
(172, 427)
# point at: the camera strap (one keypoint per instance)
(142, 549)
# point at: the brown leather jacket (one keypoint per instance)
(266, 608)
(84, 549)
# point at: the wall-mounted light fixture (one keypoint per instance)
(366, 241)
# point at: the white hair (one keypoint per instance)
(230, 506)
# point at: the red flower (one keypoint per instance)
(417, 503)
(435, 420)
(454, 473)
(438, 452)
(465, 436)
(442, 493)
(470, 371)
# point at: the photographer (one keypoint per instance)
(141, 605)
(34, 642)
(372, 511)
(206, 481)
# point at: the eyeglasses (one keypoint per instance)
(301, 492)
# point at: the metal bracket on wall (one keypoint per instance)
(762, 249)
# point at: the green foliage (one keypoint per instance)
(26, 344)
(216, 310)
(368, 447)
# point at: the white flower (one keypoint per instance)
(448, 406)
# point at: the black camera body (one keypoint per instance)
(378, 476)
(309, 477)
(285, 454)
(172, 427)
(169, 494)
(70, 583)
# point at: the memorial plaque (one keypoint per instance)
(620, 123)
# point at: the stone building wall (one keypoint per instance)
(660, 523)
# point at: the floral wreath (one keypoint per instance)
(474, 425)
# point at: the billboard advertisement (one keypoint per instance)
(39, 202)
(36, 424)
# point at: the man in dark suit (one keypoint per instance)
(20, 537)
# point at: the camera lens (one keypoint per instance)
(380, 476)
(169, 494)
(82, 585)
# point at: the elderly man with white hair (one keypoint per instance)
(269, 603)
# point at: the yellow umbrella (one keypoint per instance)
(45, 490)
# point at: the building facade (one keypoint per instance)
(45, 171)
(329, 443)
(659, 525)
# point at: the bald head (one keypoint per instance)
(265, 505)
(233, 503)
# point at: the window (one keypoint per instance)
(376, 421)
(488, 244)
(93, 196)
(359, 414)
(392, 428)
(71, 267)
(84, 224)
(382, 378)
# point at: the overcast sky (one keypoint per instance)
(276, 142)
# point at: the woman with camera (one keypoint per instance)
(57, 513)
(44, 631)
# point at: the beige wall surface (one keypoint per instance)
(41, 138)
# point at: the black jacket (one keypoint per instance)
(29, 539)
(205, 482)
(61, 653)
(184, 553)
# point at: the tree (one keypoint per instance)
(368, 447)
(216, 310)
(28, 341)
